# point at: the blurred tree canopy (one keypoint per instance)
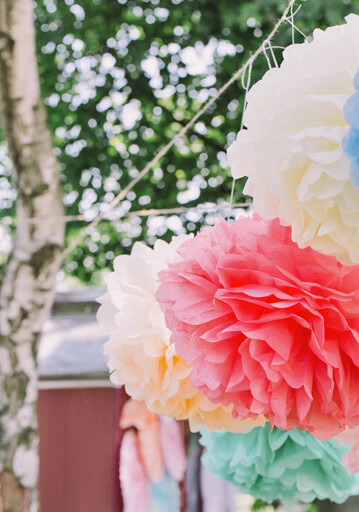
(119, 79)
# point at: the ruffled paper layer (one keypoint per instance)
(268, 327)
(291, 465)
(292, 151)
(140, 355)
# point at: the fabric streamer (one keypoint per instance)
(292, 148)
(351, 141)
(217, 494)
(173, 448)
(289, 465)
(165, 495)
(350, 436)
(267, 326)
(135, 487)
(140, 355)
(135, 414)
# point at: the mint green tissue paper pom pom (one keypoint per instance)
(279, 464)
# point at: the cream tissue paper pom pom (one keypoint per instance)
(140, 355)
(292, 148)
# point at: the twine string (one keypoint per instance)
(292, 27)
(290, 20)
(245, 86)
(78, 239)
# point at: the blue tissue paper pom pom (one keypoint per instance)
(290, 465)
(350, 142)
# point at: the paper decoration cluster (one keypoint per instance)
(258, 320)
(140, 354)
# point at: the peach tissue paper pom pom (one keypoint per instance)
(295, 150)
(140, 355)
(267, 326)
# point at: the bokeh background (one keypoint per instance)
(119, 78)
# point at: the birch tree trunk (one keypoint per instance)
(27, 284)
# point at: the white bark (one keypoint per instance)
(27, 284)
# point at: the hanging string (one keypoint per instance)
(245, 86)
(270, 48)
(77, 240)
(230, 206)
(266, 56)
(290, 20)
(114, 215)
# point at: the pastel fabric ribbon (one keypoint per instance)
(289, 465)
(135, 486)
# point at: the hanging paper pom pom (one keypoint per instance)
(140, 355)
(267, 326)
(290, 465)
(291, 150)
(351, 141)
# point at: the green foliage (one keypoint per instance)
(312, 508)
(260, 505)
(120, 78)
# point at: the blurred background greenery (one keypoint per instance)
(120, 78)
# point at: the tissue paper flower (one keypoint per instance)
(267, 326)
(291, 465)
(292, 148)
(140, 355)
(351, 141)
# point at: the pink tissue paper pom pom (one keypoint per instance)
(267, 326)
(140, 355)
